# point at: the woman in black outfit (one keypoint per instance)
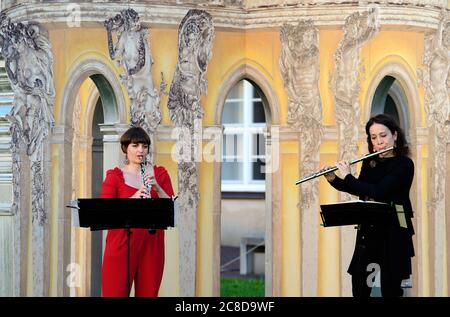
(385, 178)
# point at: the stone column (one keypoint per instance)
(299, 63)
(344, 82)
(195, 36)
(62, 140)
(112, 154)
(29, 66)
(434, 77)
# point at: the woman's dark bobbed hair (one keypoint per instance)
(133, 135)
(401, 146)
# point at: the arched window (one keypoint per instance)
(390, 98)
(244, 149)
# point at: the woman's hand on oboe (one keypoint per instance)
(154, 184)
(329, 176)
(141, 193)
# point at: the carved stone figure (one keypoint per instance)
(195, 36)
(358, 29)
(436, 77)
(133, 53)
(299, 63)
(28, 63)
(436, 80)
(194, 52)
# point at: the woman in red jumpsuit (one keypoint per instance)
(146, 249)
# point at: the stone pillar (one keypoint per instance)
(112, 154)
(195, 36)
(62, 141)
(358, 29)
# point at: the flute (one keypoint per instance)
(317, 174)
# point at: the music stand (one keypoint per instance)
(123, 213)
(356, 212)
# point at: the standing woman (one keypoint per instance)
(146, 247)
(385, 178)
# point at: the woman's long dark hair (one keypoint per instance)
(134, 135)
(401, 147)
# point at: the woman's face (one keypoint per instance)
(137, 152)
(382, 138)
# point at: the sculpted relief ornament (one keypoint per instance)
(195, 36)
(29, 66)
(358, 28)
(435, 77)
(299, 64)
(436, 80)
(132, 51)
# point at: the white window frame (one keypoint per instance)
(247, 129)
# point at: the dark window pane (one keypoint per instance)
(255, 92)
(258, 144)
(258, 170)
(258, 112)
(390, 108)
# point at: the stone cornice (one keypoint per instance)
(56, 15)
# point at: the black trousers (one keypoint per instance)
(390, 286)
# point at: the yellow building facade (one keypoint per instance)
(247, 45)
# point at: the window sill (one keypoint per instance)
(243, 195)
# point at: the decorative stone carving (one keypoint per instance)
(133, 53)
(358, 29)
(251, 4)
(435, 77)
(28, 63)
(299, 63)
(436, 80)
(194, 47)
(195, 36)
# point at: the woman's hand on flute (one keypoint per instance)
(344, 168)
(329, 176)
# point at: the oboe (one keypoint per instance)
(148, 186)
(314, 175)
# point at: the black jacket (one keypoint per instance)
(386, 180)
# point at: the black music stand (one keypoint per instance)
(356, 212)
(124, 213)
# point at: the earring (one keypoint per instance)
(125, 161)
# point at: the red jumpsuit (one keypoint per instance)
(146, 250)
